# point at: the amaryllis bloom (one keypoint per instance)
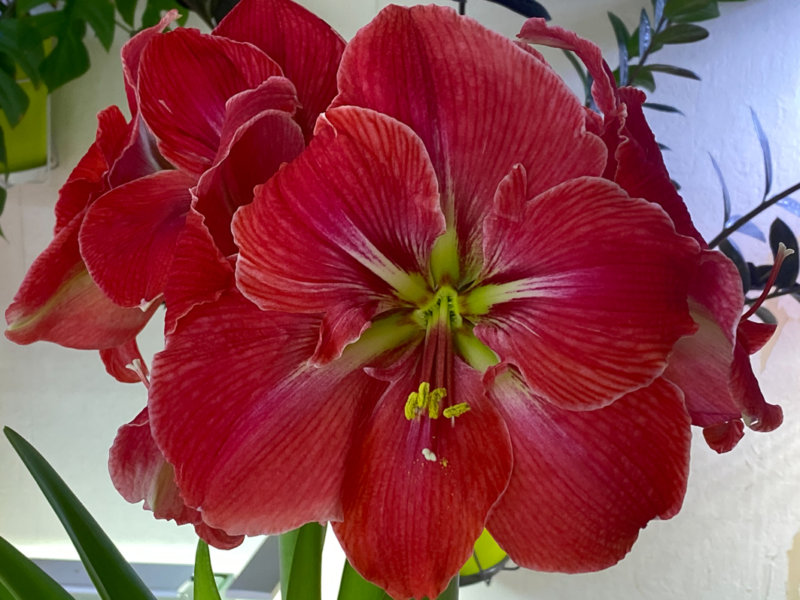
(444, 319)
(712, 367)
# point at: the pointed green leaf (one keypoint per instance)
(621, 33)
(658, 11)
(301, 562)
(662, 107)
(729, 250)
(205, 586)
(13, 99)
(726, 196)
(765, 153)
(112, 576)
(678, 71)
(23, 579)
(780, 232)
(582, 74)
(645, 32)
(353, 585)
(676, 8)
(100, 15)
(681, 33)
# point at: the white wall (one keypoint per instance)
(735, 537)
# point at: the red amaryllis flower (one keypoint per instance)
(445, 319)
(712, 367)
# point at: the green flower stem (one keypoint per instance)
(451, 593)
(355, 587)
(301, 562)
(752, 214)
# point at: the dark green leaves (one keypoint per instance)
(677, 71)
(681, 33)
(737, 259)
(645, 33)
(622, 36)
(13, 99)
(526, 8)
(112, 576)
(20, 578)
(688, 11)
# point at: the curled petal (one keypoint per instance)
(235, 405)
(305, 47)
(347, 225)
(584, 483)
(128, 236)
(188, 125)
(59, 302)
(139, 472)
(125, 363)
(417, 492)
(479, 103)
(587, 304)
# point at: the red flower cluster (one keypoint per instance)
(413, 287)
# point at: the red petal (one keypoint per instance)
(128, 236)
(348, 224)
(234, 405)
(132, 54)
(188, 120)
(139, 472)
(125, 362)
(87, 180)
(480, 104)
(263, 144)
(584, 483)
(198, 274)
(758, 415)
(305, 47)
(604, 92)
(723, 437)
(640, 166)
(60, 303)
(418, 492)
(598, 285)
(700, 364)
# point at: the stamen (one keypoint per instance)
(428, 454)
(456, 410)
(780, 255)
(424, 399)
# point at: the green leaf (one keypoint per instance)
(13, 99)
(676, 8)
(353, 585)
(205, 586)
(662, 107)
(100, 15)
(682, 33)
(726, 196)
(48, 24)
(736, 258)
(584, 76)
(69, 59)
(643, 78)
(24, 6)
(301, 562)
(645, 32)
(23, 579)
(622, 35)
(780, 232)
(765, 153)
(112, 576)
(127, 10)
(23, 44)
(704, 14)
(658, 10)
(677, 71)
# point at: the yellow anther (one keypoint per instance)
(424, 399)
(456, 410)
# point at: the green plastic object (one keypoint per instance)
(26, 144)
